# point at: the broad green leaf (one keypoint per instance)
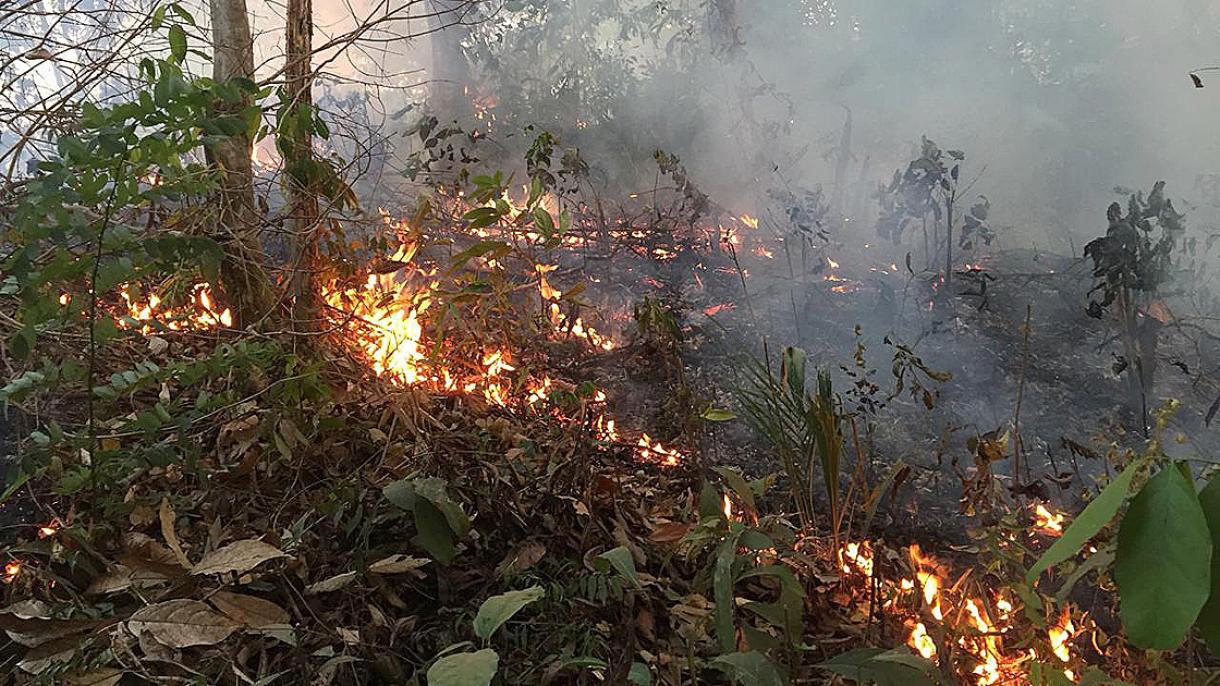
(1163, 563)
(177, 43)
(498, 609)
(435, 536)
(883, 667)
(620, 559)
(1095, 515)
(1209, 618)
(465, 669)
(750, 669)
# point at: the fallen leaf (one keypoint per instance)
(105, 676)
(669, 532)
(398, 564)
(240, 557)
(167, 517)
(332, 584)
(522, 558)
(248, 610)
(182, 623)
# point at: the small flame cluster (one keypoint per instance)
(942, 618)
(151, 314)
(561, 323)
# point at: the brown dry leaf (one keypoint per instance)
(141, 516)
(669, 532)
(106, 676)
(240, 556)
(182, 623)
(522, 558)
(49, 655)
(334, 583)
(398, 564)
(249, 610)
(167, 517)
(29, 623)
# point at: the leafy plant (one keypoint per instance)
(1131, 263)
(479, 667)
(803, 426)
(930, 187)
(1163, 559)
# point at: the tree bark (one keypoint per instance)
(295, 132)
(243, 277)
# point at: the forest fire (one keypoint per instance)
(146, 315)
(939, 616)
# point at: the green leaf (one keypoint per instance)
(621, 560)
(1209, 618)
(435, 536)
(722, 590)
(715, 414)
(639, 674)
(177, 43)
(1095, 515)
(497, 610)
(883, 667)
(465, 669)
(750, 669)
(1163, 563)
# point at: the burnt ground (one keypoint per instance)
(1074, 405)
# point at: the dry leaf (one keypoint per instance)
(334, 583)
(181, 624)
(167, 517)
(49, 655)
(240, 557)
(249, 610)
(105, 676)
(398, 564)
(522, 558)
(669, 532)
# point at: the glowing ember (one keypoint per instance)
(857, 557)
(922, 642)
(50, 529)
(1060, 635)
(11, 571)
(648, 450)
(762, 251)
(749, 221)
(1047, 522)
(717, 309)
(728, 508)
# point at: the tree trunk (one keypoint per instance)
(450, 77)
(295, 133)
(243, 277)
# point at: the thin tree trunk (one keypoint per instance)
(450, 75)
(245, 281)
(296, 142)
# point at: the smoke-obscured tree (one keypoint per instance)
(930, 187)
(1132, 262)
